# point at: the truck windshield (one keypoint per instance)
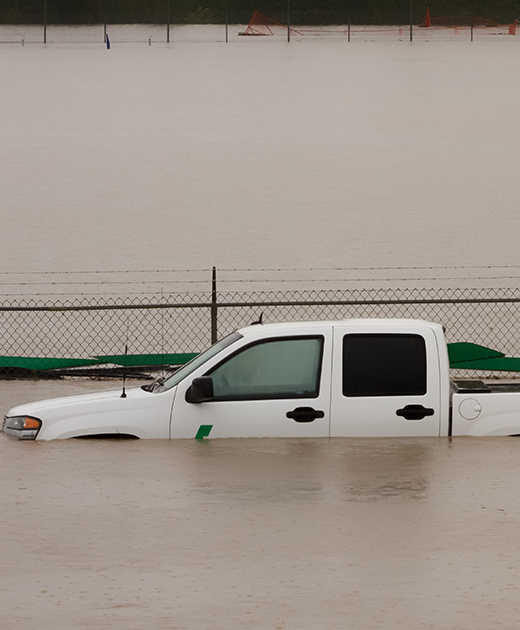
(187, 369)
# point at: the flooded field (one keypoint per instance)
(362, 534)
(258, 155)
(313, 155)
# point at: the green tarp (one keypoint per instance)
(131, 360)
(143, 360)
(470, 356)
(462, 355)
(44, 363)
(502, 364)
(463, 351)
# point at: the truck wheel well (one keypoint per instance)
(107, 436)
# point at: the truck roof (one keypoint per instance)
(353, 323)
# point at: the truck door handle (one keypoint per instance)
(305, 414)
(414, 412)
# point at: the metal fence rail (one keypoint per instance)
(86, 328)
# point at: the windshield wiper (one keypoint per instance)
(152, 387)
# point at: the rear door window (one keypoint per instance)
(384, 365)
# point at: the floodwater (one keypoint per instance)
(312, 155)
(259, 154)
(227, 534)
(395, 534)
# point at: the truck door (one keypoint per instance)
(385, 382)
(275, 386)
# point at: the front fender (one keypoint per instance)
(141, 414)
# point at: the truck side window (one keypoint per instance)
(384, 365)
(277, 368)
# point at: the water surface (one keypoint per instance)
(258, 154)
(260, 534)
(261, 154)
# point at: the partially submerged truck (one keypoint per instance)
(351, 378)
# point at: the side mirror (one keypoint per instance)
(200, 390)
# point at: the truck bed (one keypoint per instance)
(475, 412)
(481, 387)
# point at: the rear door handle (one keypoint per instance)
(414, 412)
(305, 414)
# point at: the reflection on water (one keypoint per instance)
(396, 469)
(288, 471)
(390, 533)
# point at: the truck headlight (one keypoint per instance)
(22, 427)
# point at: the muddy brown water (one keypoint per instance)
(257, 533)
(258, 154)
(403, 149)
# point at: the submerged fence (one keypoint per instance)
(89, 336)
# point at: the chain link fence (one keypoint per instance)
(36, 336)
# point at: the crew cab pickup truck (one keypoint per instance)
(354, 378)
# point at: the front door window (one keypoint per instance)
(273, 369)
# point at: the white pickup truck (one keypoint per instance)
(352, 378)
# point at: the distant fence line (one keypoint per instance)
(82, 329)
(404, 22)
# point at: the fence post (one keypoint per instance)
(168, 22)
(214, 305)
(411, 20)
(288, 20)
(45, 21)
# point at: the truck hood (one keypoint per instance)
(43, 409)
(141, 414)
